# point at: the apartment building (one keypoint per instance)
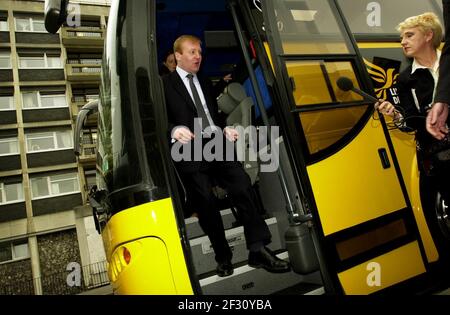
(47, 233)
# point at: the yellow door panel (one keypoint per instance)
(344, 198)
(383, 271)
(405, 148)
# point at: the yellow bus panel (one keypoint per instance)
(150, 233)
(405, 149)
(344, 198)
(383, 271)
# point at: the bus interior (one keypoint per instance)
(223, 55)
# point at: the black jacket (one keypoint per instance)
(423, 83)
(443, 87)
(181, 110)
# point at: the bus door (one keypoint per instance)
(367, 238)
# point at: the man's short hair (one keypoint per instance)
(426, 22)
(184, 38)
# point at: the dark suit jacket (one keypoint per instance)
(443, 87)
(181, 110)
(423, 83)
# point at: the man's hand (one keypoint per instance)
(436, 122)
(182, 134)
(231, 134)
(227, 78)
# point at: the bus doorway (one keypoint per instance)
(227, 49)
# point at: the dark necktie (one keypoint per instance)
(198, 103)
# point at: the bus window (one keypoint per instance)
(380, 18)
(300, 22)
(313, 78)
(325, 128)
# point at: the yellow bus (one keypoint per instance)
(338, 189)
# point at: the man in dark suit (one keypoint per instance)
(437, 119)
(188, 98)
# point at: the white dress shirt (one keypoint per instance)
(183, 74)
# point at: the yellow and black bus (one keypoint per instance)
(343, 201)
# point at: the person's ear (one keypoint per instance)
(429, 36)
(177, 56)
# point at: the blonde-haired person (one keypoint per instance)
(421, 36)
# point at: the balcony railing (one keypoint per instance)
(83, 36)
(84, 99)
(62, 283)
(83, 72)
(88, 154)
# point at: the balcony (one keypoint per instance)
(83, 72)
(83, 37)
(88, 157)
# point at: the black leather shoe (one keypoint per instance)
(224, 269)
(267, 260)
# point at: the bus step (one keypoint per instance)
(250, 281)
(203, 254)
(194, 230)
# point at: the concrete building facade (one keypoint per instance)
(47, 232)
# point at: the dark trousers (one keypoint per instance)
(232, 177)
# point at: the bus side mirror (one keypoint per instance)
(55, 14)
(86, 110)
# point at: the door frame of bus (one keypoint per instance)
(158, 97)
(298, 144)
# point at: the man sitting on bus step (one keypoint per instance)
(189, 97)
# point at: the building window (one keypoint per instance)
(9, 146)
(55, 185)
(31, 24)
(5, 60)
(14, 251)
(40, 61)
(3, 24)
(34, 100)
(11, 193)
(49, 141)
(6, 103)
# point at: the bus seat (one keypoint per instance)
(238, 107)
